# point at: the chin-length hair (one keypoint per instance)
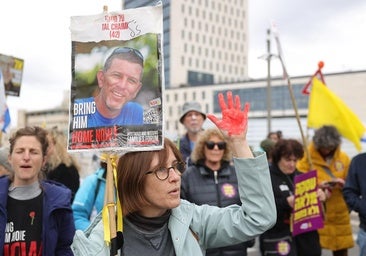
(131, 174)
(287, 148)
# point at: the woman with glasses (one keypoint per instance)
(156, 221)
(211, 179)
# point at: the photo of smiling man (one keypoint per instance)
(119, 81)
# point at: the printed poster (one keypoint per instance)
(12, 70)
(117, 81)
(307, 212)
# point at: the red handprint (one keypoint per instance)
(234, 121)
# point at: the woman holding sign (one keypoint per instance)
(156, 221)
(279, 239)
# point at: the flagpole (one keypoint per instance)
(304, 141)
(109, 199)
(111, 206)
(111, 196)
(285, 74)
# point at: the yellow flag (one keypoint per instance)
(326, 108)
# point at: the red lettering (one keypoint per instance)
(82, 136)
(33, 249)
(19, 249)
(6, 249)
(114, 34)
(105, 134)
(105, 26)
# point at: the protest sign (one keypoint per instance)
(12, 70)
(307, 211)
(117, 81)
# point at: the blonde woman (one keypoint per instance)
(211, 179)
(61, 166)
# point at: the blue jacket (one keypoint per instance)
(184, 147)
(354, 191)
(213, 226)
(58, 224)
(87, 197)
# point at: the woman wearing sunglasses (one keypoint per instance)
(211, 179)
(156, 221)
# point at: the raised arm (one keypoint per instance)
(234, 124)
(257, 212)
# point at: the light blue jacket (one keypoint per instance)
(213, 226)
(86, 198)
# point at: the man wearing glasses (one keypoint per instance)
(119, 83)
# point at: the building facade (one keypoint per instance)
(349, 86)
(205, 53)
(205, 41)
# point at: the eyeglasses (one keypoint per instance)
(221, 145)
(162, 173)
(128, 50)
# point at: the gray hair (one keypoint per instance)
(327, 136)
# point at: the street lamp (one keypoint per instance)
(268, 56)
(269, 96)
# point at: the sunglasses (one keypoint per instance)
(128, 50)
(221, 145)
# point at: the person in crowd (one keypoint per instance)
(267, 146)
(61, 166)
(331, 165)
(158, 222)
(275, 136)
(119, 83)
(211, 179)
(192, 118)
(89, 199)
(279, 239)
(5, 168)
(35, 215)
(354, 192)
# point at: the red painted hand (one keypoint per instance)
(234, 121)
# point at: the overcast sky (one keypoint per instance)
(38, 32)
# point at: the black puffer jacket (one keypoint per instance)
(283, 187)
(201, 185)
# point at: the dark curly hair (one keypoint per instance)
(286, 148)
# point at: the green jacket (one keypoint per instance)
(194, 228)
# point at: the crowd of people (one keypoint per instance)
(208, 193)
